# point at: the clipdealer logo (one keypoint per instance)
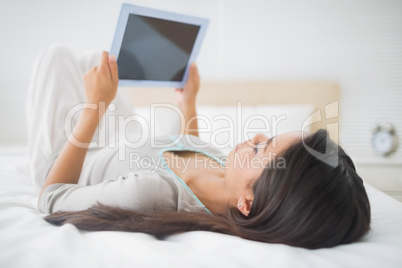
(331, 114)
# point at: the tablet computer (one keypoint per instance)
(155, 48)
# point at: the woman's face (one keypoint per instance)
(246, 162)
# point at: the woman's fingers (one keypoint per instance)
(194, 72)
(108, 64)
(104, 65)
(113, 69)
(101, 82)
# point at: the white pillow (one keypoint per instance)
(225, 126)
(162, 119)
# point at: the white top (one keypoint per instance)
(131, 178)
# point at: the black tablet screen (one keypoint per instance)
(155, 49)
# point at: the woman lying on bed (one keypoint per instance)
(313, 198)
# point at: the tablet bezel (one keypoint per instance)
(128, 9)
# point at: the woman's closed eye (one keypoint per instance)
(256, 149)
(264, 147)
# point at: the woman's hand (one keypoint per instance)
(187, 95)
(101, 81)
(186, 98)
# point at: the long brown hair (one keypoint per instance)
(308, 204)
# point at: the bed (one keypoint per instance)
(26, 240)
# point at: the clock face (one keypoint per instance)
(383, 142)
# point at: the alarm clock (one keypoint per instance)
(384, 139)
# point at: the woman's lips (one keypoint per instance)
(237, 147)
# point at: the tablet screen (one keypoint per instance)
(155, 49)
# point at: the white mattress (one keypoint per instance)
(26, 240)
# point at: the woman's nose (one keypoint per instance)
(260, 137)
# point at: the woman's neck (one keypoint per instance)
(208, 184)
(204, 176)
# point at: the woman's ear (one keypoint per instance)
(244, 205)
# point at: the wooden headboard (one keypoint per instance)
(324, 95)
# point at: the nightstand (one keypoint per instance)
(384, 174)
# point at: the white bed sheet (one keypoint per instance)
(26, 240)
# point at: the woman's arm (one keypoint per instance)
(100, 88)
(186, 100)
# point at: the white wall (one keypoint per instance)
(357, 43)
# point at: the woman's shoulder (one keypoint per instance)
(150, 183)
(164, 192)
